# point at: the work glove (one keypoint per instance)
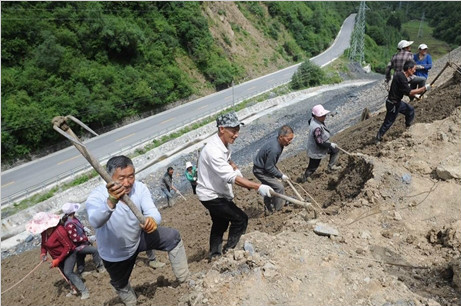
(87, 231)
(285, 178)
(428, 87)
(195, 179)
(43, 257)
(334, 145)
(265, 190)
(115, 190)
(238, 173)
(150, 225)
(55, 263)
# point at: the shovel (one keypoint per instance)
(60, 125)
(350, 154)
(291, 200)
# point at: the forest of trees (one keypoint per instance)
(106, 61)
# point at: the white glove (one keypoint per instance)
(238, 173)
(194, 178)
(285, 178)
(428, 87)
(334, 145)
(87, 231)
(265, 190)
(92, 238)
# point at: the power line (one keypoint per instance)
(357, 50)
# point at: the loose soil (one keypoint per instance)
(398, 223)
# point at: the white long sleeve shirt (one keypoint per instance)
(215, 174)
(117, 230)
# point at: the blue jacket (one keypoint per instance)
(426, 62)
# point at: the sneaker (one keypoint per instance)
(72, 293)
(334, 168)
(85, 295)
(155, 264)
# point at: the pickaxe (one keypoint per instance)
(60, 125)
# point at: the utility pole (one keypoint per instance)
(420, 31)
(358, 36)
(233, 97)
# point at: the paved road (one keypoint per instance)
(29, 177)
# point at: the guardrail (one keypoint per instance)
(71, 174)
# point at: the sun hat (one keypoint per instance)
(188, 165)
(422, 46)
(319, 111)
(69, 208)
(228, 120)
(404, 43)
(42, 221)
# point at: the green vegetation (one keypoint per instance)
(104, 62)
(437, 48)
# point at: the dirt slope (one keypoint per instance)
(398, 224)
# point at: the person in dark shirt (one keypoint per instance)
(265, 168)
(166, 185)
(394, 103)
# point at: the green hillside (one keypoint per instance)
(107, 62)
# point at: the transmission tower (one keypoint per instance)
(420, 31)
(356, 53)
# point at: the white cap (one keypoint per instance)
(319, 111)
(404, 43)
(188, 164)
(69, 208)
(422, 46)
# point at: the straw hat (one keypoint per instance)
(69, 208)
(41, 222)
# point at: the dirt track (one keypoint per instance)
(365, 195)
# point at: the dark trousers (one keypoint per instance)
(81, 254)
(222, 213)
(265, 178)
(314, 163)
(67, 267)
(393, 109)
(163, 239)
(194, 187)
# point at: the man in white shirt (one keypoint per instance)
(214, 185)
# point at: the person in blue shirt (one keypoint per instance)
(423, 61)
(119, 235)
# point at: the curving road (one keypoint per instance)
(30, 177)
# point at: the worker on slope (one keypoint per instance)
(265, 166)
(394, 103)
(118, 232)
(214, 186)
(397, 62)
(319, 144)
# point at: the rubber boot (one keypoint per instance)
(178, 261)
(127, 295)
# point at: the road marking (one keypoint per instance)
(8, 184)
(251, 88)
(120, 139)
(167, 120)
(204, 106)
(69, 159)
